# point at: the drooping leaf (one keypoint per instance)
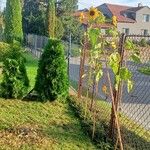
(129, 85)
(125, 74)
(99, 75)
(114, 60)
(93, 35)
(136, 58)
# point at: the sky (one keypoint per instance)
(134, 3)
(89, 3)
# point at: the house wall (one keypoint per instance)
(136, 28)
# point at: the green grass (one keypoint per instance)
(31, 66)
(40, 126)
(134, 135)
(32, 125)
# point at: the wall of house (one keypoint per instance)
(136, 28)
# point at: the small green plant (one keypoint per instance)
(15, 82)
(52, 81)
(143, 43)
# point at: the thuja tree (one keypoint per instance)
(13, 21)
(52, 80)
(15, 82)
(54, 24)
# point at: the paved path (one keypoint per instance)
(135, 104)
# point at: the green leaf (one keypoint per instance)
(129, 85)
(125, 74)
(93, 35)
(114, 61)
(136, 58)
(115, 57)
(114, 67)
(118, 79)
(99, 75)
(128, 44)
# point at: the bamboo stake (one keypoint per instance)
(115, 113)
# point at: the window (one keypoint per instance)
(146, 18)
(126, 30)
(144, 32)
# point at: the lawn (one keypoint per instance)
(31, 66)
(34, 125)
(134, 135)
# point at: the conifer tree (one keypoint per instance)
(51, 18)
(13, 21)
(52, 80)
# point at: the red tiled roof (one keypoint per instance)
(116, 11)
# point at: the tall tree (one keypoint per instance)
(13, 21)
(55, 27)
(51, 18)
(65, 10)
(1, 25)
(34, 16)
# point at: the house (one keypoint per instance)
(131, 20)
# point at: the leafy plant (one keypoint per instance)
(4, 48)
(15, 82)
(52, 80)
(143, 42)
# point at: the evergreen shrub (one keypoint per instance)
(15, 82)
(4, 48)
(52, 81)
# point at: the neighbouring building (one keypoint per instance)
(131, 20)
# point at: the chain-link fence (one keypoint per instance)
(35, 44)
(130, 126)
(135, 106)
(133, 111)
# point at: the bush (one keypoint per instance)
(52, 81)
(148, 42)
(143, 43)
(15, 82)
(4, 48)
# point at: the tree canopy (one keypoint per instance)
(13, 21)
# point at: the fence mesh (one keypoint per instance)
(134, 108)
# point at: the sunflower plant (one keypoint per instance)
(100, 48)
(97, 50)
